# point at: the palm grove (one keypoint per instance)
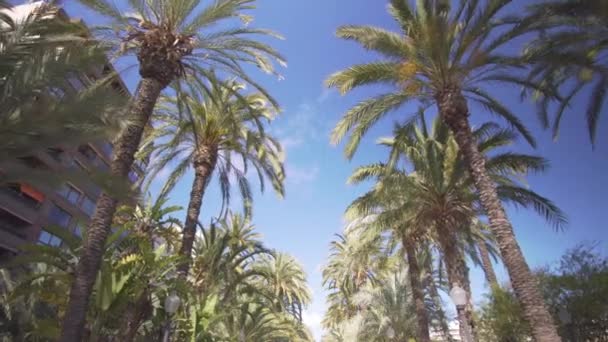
(436, 201)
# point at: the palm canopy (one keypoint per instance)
(439, 49)
(285, 280)
(571, 51)
(188, 35)
(438, 186)
(41, 55)
(218, 117)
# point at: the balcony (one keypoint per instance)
(16, 193)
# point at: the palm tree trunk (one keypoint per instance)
(454, 112)
(139, 111)
(457, 272)
(136, 313)
(204, 164)
(422, 315)
(486, 264)
(443, 321)
(434, 293)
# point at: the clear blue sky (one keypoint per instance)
(304, 222)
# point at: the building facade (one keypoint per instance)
(25, 210)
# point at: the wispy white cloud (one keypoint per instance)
(301, 175)
(303, 124)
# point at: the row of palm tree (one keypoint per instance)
(449, 58)
(423, 203)
(205, 121)
(444, 56)
(237, 287)
(173, 41)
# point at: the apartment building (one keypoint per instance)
(25, 210)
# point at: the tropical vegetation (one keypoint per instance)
(145, 269)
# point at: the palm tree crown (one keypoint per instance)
(221, 120)
(170, 37)
(437, 49)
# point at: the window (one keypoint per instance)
(55, 153)
(102, 165)
(70, 193)
(48, 239)
(59, 216)
(78, 229)
(93, 157)
(25, 194)
(107, 148)
(77, 165)
(133, 176)
(88, 206)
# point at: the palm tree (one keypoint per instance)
(437, 195)
(121, 280)
(446, 56)
(224, 256)
(216, 127)
(355, 261)
(169, 38)
(283, 278)
(570, 51)
(149, 221)
(388, 317)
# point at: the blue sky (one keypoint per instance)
(305, 221)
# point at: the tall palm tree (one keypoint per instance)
(169, 37)
(437, 195)
(446, 57)
(213, 128)
(571, 51)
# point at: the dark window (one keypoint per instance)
(70, 193)
(59, 216)
(88, 152)
(12, 223)
(48, 239)
(88, 206)
(55, 153)
(33, 162)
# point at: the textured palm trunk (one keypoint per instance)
(422, 315)
(204, 164)
(443, 321)
(134, 316)
(454, 111)
(486, 264)
(457, 273)
(125, 148)
(431, 285)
